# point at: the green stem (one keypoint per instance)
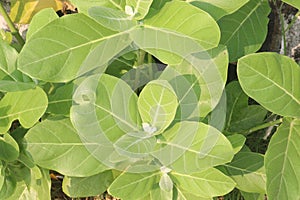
(292, 22)
(10, 24)
(263, 126)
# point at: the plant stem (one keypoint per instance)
(263, 126)
(10, 24)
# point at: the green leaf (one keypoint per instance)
(9, 186)
(240, 116)
(157, 104)
(111, 18)
(237, 141)
(275, 91)
(9, 149)
(40, 186)
(83, 6)
(219, 8)
(12, 86)
(61, 101)
(8, 59)
(133, 185)
(210, 68)
(27, 106)
(75, 52)
(55, 144)
(282, 161)
(194, 23)
(193, 142)
(244, 31)
(207, 184)
(140, 8)
(253, 196)
(158, 193)
(39, 20)
(294, 3)
(87, 186)
(247, 170)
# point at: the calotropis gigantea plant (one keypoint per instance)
(129, 97)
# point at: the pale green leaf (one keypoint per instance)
(282, 161)
(83, 6)
(61, 59)
(166, 183)
(39, 20)
(130, 186)
(210, 68)
(188, 20)
(2, 175)
(9, 186)
(9, 149)
(244, 31)
(295, 3)
(40, 186)
(120, 4)
(140, 7)
(12, 86)
(8, 59)
(87, 186)
(111, 18)
(27, 106)
(207, 184)
(157, 104)
(193, 142)
(247, 170)
(218, 8)
(61, 101)
(158, 193)
(253, 196)
(55, 144)
(272, 80)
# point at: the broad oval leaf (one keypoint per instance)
(272, 80)
(9, 149)
(55, 144)
(157, 104)
(194, 23)
(130, 186)
(27, 106)
(87, 186)
(219, 8)
(282, 161)
(12, 86)
(76, 51)
(247, 170)
(111, 18)
(193, 142)
(205, 184)
(244, 31)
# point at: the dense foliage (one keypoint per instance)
(130, 97)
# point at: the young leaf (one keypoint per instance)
(244, 31)
(9, 149)
(157, 104)
(111, 18)
(207, 184)
(39, 20)
(55, 144)
(219, 8)
(282, 161)
(140, 7)
(193, 142)
(27, 106)
(87, 186)
(194, 23)
(271, 79)
(8, 59)
(75, 52)
(247, 170)
(158, 193)
(133, 185)
(294, 3)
